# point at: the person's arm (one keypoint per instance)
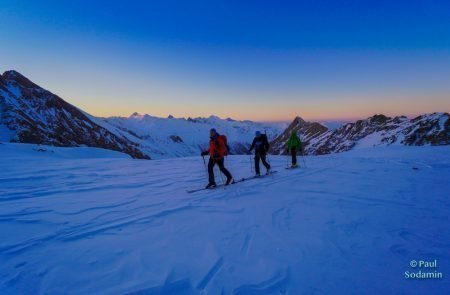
(253, 145)
(206, 152)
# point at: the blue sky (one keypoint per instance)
(261, 60)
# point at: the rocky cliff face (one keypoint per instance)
(429, 129)
(32, 114)
(309, 132)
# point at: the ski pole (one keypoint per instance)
(204, 164)
(221, 178)
(303, 158)
(251, 164)
(287, 159)
(268, 150)
(303, 151)
(270, 165)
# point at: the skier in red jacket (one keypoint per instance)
(217, 151)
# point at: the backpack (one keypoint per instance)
(223, 145)
(266, 142)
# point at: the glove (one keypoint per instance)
(204, 153)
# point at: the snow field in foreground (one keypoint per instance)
(89, 221)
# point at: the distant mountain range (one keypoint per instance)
(31, 114)
(174, 137)
(429, 129)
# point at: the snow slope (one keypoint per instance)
(178, 137)
(378, 130)
(349, 223)
(333, 125)
(31, 114)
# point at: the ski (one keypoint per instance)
(292, 168)
(236, 181)
(260, 176)
(212, 188)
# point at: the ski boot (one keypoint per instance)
(211, 185)
(229, 181)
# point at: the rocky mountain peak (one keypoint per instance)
(431, 129)
(306, 130)
(35, 115)
(18, 79)
(298, 121)
(378, 119)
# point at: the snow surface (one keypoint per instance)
(88, 221)
(370, 140)
(5, 133)
(156, 132)
(333, 125)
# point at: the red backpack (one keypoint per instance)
(222, 147)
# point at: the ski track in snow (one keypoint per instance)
(347, 224)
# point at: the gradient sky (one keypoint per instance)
(260, 60)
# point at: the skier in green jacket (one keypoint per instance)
(294, 144)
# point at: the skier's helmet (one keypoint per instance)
(257, 133)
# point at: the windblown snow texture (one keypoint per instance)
(92, 221)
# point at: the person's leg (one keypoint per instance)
(294, 156)
(257, 164)
(264, 161)
(224, 170)
(211, 164)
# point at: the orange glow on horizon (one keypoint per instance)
(347, 109)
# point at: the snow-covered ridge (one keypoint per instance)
(171, 137)
(31, 114)
(428, 129)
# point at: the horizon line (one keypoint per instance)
(320, 120)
